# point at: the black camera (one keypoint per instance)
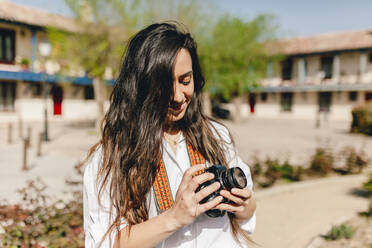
(228, 178)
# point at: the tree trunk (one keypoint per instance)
(207, 106)
(237, 101)
(99, 96)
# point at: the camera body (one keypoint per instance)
(228, 179)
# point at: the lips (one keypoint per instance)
(176, 106)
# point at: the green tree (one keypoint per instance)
(96, 48)
(234, 57)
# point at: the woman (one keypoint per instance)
(140, 182)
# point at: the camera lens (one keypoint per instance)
(237, 177)
(228, 178)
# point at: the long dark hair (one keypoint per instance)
(134, 123)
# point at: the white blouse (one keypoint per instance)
(203, 232)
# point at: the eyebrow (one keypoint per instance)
(185, 74)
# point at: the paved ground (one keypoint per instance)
(288, 216)
(68, 146)
(292, 139)
(291, 216)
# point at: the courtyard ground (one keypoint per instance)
(287, 215)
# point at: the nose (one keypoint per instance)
(178, 96)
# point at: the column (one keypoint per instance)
(336, 68)
(269, 69)
(301, 70)
(362, 64)
(33, 48)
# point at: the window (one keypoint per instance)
(263, 96)
(36, 89)
(7, 46)
(7, 96)
(353, 96)
(324, 101)
(327, 66)
(304, 96)
(88, 92)
(286, 101)
(287, 69)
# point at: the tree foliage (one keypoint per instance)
(104, 26)
(233, 55)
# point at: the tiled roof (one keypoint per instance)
(323, 43)
(22, 14)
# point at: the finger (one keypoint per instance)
(207, 191)
(209, 205)
(245, 193)
(230, 208)
(188, 175)
(236, 199)
(197, 180)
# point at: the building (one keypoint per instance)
(29, 82)
(322, 75)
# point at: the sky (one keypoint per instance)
(295, 17)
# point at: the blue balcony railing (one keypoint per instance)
(43, 77)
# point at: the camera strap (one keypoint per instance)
(163, 194)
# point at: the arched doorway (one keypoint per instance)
(57, 95)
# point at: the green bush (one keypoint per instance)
(368, 212)
(38, 222)
(355, 161)
(339, 232)
(368, 185)
(362, 119)
(321, 162)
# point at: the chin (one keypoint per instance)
(178, 117)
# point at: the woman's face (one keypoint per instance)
(183, 86)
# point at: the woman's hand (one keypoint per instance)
(243, 205)
(187, 207)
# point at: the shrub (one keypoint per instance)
(290, 172)
(38, 222)
(339, 232)
(272, 172)
(368, 212)
(355, 161)
(362, 119)
(321, 162)
(368, 185)
(257, 169)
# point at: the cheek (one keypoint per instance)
(190, 90)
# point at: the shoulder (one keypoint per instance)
(92, 166)
(220, 131)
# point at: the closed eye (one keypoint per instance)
(185, 79)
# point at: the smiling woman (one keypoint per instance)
(143, 175)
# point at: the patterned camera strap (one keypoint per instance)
(162, 190)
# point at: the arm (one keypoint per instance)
(244, 206)
(184, 211)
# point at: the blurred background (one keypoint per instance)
(292, 80)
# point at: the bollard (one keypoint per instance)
(40, 140)
(29, 136)
(26, 142)
(20, 128)
(10, 133)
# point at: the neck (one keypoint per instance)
(171, 128)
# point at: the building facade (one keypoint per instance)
(324, 75)
(30, 82)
